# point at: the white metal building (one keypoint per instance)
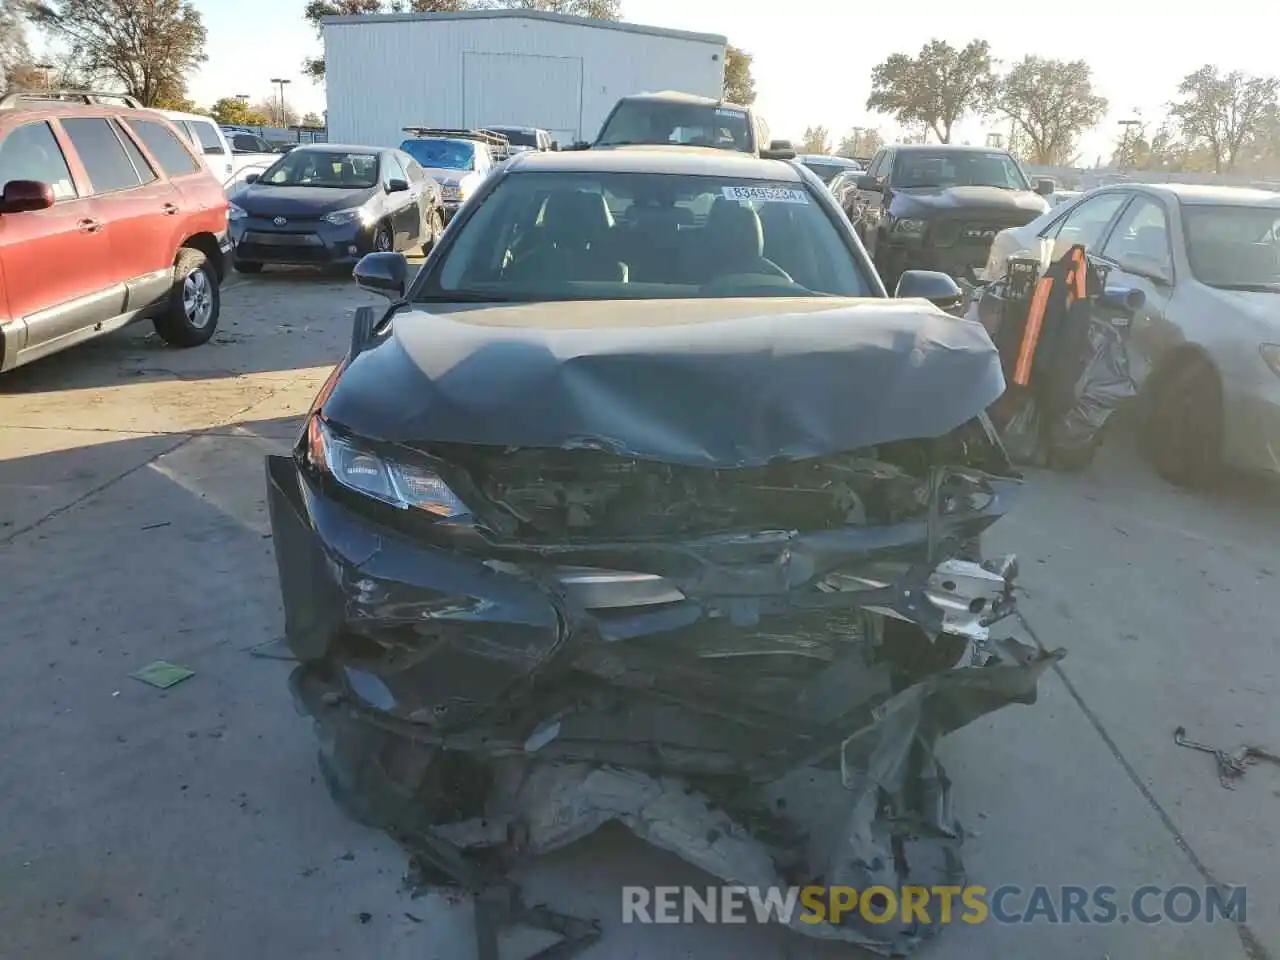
(513, 67)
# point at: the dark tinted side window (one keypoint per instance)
(249, 143)
(207, 133)
(164, 146)
(31, 152)
(102, 154)
(145, 173)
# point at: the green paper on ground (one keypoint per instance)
(162, 674)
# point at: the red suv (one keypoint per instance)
(106, 217)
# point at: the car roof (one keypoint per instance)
(944, 148)
(418, 139)
(1202, 193)
(179, 115)
(23, 102)
(676, 96)
(826, 158)
(689, 161)
(340, 148)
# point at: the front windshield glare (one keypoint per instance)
(574, 236)
(957, 169)
(1233, 246)
(323, 168)
(683, 124)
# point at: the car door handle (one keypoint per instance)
(89, 225)
(170, 209)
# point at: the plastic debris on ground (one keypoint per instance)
(163, 674)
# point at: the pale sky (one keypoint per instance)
(813, 58)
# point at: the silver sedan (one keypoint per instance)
(1205, 348)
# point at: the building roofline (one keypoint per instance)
(529, 15)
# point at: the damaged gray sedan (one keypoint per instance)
(642, 503)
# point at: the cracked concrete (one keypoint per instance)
(144, 823)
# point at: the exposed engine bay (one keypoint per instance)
(665, 636)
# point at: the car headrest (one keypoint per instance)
(734, 232)
(576, 215)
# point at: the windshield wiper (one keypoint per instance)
(1270, 287)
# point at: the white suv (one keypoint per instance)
(229, 160)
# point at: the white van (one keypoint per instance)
(229, 160)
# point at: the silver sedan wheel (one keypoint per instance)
(197, 298)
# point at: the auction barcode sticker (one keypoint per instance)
(767, 194)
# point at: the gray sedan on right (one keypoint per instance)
(1205, 347)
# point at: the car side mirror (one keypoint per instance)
(555, 145)
(1045, 188)
(252, 177)
(868, 182)
(779, 150)
(396, 185)
(383, 273)
(22, 195)
(938, 288)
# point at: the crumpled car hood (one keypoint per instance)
(722, 383)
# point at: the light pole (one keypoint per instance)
(1124, 142)
(280, 114)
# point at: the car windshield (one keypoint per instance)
(955, 168)
(323, 168)
(442, 154)
(685, 124)
(517, 137)
(637, 236)
(826, 171)
(1233, 247)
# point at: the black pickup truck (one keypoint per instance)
(939, 207)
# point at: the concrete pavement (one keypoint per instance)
(143, 823)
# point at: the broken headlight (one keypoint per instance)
(408, 486)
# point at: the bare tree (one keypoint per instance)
(279, 112)
(1224, 111)
(937, 87)
(15, 55)
(147, 46)
(1051, 102)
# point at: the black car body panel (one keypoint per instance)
(741, 383)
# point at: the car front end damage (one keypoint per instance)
(505, 646)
